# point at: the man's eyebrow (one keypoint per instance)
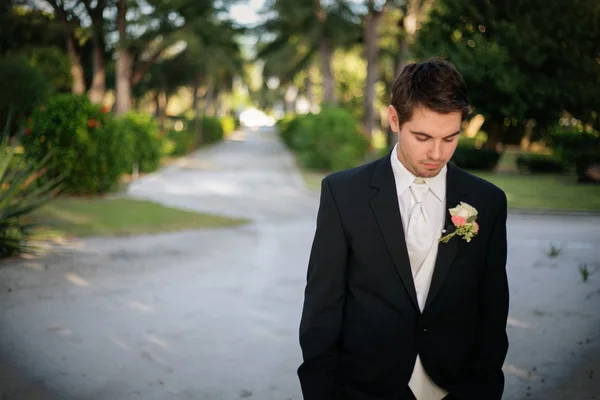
(424, 134)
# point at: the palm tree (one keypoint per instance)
(303, 29)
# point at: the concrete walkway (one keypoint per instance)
(214, 314)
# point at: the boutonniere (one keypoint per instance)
(463, 218)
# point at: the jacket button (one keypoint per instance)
(424, 329)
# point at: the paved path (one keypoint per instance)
(214, 314)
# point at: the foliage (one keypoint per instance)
(18, 198)
(350, 71)
(329, 140)
(287, 126)
(179, 142)
(144, 131)
(211, 57)
(300, 38)
(52, 63)
(229, 125)
(23, 88)
(540, 163)
(22, 26)
(87, 145)
(184, 139)
(568, 141)
(525, 59)
(212, 130)
(468, 156)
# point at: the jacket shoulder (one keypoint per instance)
(351, 178)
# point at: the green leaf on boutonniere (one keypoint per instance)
(472, 218)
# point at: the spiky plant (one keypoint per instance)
(19, 196)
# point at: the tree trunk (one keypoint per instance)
(98, 88)
(195, 101)
(371, 33)
(310, 93)
(218, 104)
(326, 54)
(290, 96)
(402, 57)
(208, 99)
(198, 115)
(76, 67)
(124, 63)
(156, 104)
(525, 143)
(163, 101)
(495, 135)
(409, 25)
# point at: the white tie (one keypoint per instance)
(420, 230)
(419, 239)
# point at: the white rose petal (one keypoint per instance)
(471, 211)
(454, 211)
(463, 210)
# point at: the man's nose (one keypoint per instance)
(435, 152)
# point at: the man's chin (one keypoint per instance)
(429, 173)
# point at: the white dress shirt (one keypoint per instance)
(435, 202)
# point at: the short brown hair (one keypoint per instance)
(434, 84)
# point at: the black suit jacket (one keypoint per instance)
(361, 327)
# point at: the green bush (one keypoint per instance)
(212, 130)
(569, 141)
(179, 143)
(23, 89)
(52, 63)
(229, 125)
(147, 145)
(88, 146)
(583, 161)
(286, 127)
(329, 140)
(181, 137)
(468, 156)
(540, 163)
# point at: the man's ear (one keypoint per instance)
(393, 119)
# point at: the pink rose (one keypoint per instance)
(458, 220)
(476, 225)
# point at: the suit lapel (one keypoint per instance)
(387, 212)
(446, 251)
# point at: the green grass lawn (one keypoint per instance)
(82, 217)
(546, 191)
(524, 191)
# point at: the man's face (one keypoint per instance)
(426, 142)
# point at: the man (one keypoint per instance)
(391, 311)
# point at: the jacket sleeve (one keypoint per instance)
(324, 295)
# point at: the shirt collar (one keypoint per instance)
(404, 178)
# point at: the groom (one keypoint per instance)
(390, 311)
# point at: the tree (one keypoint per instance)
(527, 61)
(304, 29)
(151, 35)
(68, 14)
(371, 24)
(96, 14)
